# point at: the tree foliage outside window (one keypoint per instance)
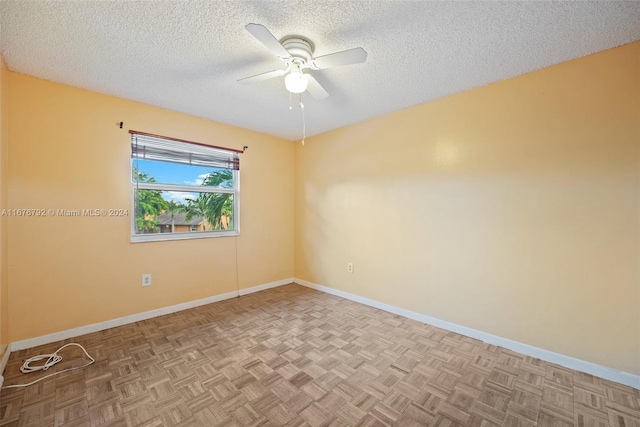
(149, 204)
(216, 208)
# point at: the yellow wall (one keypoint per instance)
(4, 146)
(68, 153)
(512, 209)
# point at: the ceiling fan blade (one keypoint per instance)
(314, 88)
(261, 77)
(346, 57)
(265, 37)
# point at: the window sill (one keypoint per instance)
(162, 237)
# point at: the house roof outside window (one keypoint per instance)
(178, 219)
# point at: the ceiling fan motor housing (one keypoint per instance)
(299, 47)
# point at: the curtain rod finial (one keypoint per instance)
(245, 148)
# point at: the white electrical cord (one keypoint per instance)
(50, 360)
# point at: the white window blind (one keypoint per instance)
(151, 147)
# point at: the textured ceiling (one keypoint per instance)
(187, 55)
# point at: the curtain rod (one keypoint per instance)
(184, 140)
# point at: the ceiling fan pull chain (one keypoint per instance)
(290, 107)
(304, 125)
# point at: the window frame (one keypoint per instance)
(158, 237)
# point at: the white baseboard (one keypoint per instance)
(266, 286)
(546, 355)
(87, 329)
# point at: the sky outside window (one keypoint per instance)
(176, 173)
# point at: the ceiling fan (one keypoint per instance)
(296, 52)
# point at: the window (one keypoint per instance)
(182, 190)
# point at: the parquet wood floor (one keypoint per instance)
(297, 357)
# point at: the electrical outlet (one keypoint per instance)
(350, 267)
(146, 280)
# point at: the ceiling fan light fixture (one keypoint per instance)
(296, 81)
